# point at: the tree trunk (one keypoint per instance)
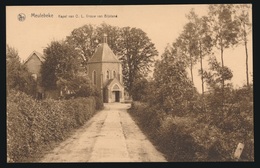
(247, 76)
(191, 72)
(223, 81)
(201, 69)
(245, 40)
(202, 81)
(191, 66)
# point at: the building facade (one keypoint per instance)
(33, 64)
(105, 71)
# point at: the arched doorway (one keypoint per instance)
(117, 96)
(115, 93)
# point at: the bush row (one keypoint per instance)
(33, 125)
(188, 138)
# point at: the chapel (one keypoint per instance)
(105, 71)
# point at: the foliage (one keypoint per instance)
(214, 78)
(61, 68)
(170, 134)
(33, 126)
(76, 86)
(224, 26)
(80, 86)
(17, 75)
(235, 120)
(139, 89)
(186, 125)
(196, 138)
(245, 27)
(84, 39)
(216, 74)
(202, 40)
(137, 54)
(195, 127)
(224, 29)
(188, 42)
(242, 14)
(173, 89)
(58, 64)
(113, 36)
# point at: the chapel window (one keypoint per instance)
(114, 74)
(107, 74)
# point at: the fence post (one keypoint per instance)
(238, 151)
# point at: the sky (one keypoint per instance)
(162, 23)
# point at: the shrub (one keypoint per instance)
(170, 134)
(32, 125)
(195, 137)
(139, 89)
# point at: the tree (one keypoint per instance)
(202, 38)
(224, 29)
(62, 62)
(137, 52)
(85, 40)
(214, 78)
(242, 16)
(205, 44)
(62, 70)
(17, 75)
(173, 89)
(189, 45)
(113, 36)
(12, 67)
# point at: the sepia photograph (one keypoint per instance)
(129, 83)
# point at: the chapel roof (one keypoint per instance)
(104, 53)
(114, 80)
(39, 55)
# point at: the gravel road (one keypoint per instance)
(110, 136)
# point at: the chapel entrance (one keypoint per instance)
(116, 96)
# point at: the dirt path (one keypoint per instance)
(110, 136)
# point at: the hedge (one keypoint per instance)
(188, 139)
(33, 125)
